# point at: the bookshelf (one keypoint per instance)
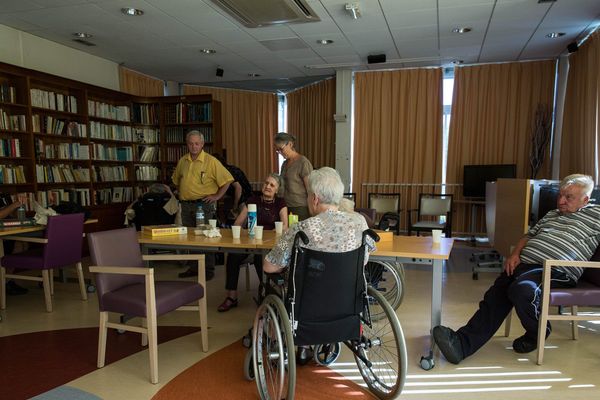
(64, 140)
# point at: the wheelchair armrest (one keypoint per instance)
(372, 234)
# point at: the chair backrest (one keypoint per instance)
(149, 210)
(434, 204)
(65, 240)
(592, 275)
(115, 248)
(385, 202)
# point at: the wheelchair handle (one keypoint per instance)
(371, 233)
(300, 236)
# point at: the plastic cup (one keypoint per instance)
(235, 231)
(212, 223)
(278, 227)
(258, 232)
(437, 235)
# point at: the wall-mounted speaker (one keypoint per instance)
(572, 47)
(376, 58)
(220, 72)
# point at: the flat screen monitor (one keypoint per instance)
(475, 177)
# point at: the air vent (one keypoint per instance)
(84, 42)
(256, 13)
(546, 1)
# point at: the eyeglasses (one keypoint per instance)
(279, 149)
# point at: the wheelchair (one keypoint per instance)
(387, 277)
(326, 301)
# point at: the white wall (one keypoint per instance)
(29, 51)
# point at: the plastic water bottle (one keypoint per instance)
(199, 216)
(21, 213)
(251, 219)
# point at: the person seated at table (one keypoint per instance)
(8, 207)
(270, 208)
(570, 232)
(156, 207)
(328, 228)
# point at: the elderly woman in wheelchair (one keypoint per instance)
(325, 300)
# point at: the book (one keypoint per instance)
(9, 222)
(164, 230)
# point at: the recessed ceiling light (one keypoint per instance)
(324, 41)
(252, 75)
(554, 35)
(464, 29)
(208, 51)
(133, 12)
(82, 35)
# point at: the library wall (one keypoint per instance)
(29, 51)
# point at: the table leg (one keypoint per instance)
(427, 362)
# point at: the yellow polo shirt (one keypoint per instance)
(198, 178)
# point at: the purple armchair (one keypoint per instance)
(62, 247)
(586, 293)
(125, 286)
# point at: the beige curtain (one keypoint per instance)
(133, 82)
(581, 121)
(493, 112)
(310, 118)
(398, 128)
(249, 121)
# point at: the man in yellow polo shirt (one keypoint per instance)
(201, 180)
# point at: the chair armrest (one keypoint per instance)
(122, 270)
(171, 257)
(563, 263)
(25, 239)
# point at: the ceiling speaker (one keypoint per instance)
(220, 72)
(376, 58)
(572, 47)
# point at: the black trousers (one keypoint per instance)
(188, 218)
(522, 290)
(234, 260)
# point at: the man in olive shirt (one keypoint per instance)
(201, 180)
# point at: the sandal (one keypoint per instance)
(227, 304)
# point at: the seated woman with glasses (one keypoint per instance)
(270, 208)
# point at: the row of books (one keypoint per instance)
(111, 153)
(61, 173)
(65, 151)
(53, 197)
(114, 195)
(147, 173)
(25, 198)
(148, 153)
(110, 111)
(12, 122)
(10, 147)
(99, 130)
(145, 113)
(116, 173)
(12, 174)
(53, 101)
(176, 134)
(188, 112)
(173, 154)
(146, 135)
(8, 93)
(53, 126)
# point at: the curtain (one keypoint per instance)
(493, 113)
(581, 121)
(249, 122)
(133, 82)
(398, 129)
(310, 118)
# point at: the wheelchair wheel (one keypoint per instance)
(248, 366)
(381, 352)
(273, 354)
(388, 279)
(326, 354)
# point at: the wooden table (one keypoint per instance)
(404, 249)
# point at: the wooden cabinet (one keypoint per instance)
(63, 140)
